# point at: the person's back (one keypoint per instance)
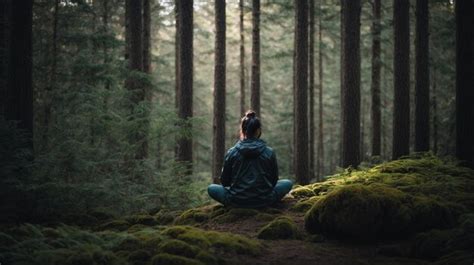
(250, 173)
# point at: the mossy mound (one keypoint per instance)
(34, 244)
(391, 200)
(374, 212)
(168, 259)
(280, 228)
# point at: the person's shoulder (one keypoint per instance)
(233, 150)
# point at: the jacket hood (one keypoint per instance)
(250, 148)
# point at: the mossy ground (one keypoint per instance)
(423, 206)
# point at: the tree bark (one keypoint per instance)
(311, 90)
(146, 36)
(242, 59)
(255, 83)
(320, 159)
(422, 77)
(351, 83)
(185, 102)
(134, 83)
(19, 94)
(401, 69)
(4, 52)
(218, 140)
(465, 82)
(375, 87)
(301, 84)
(435, 117)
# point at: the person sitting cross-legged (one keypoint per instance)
(249, 176)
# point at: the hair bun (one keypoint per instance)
(250, 114)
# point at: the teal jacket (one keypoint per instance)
(250, 172)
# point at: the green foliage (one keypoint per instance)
(280, 228)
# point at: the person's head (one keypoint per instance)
(250, 126)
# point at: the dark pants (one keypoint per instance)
(219, 193)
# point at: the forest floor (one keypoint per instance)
(417, 210)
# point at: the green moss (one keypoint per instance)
(164, 217)
(129, 243)
(115, 225)
(280, 228)
(303, 191)
(192, 216)
(168, 259)
(141, 219)
(431, 245)
(175, 231)
(139, 257)
(264, 217)
(359, 212)
(196, 238)
(233, 243)
(178, 247)
(305, 204)
(206, 258)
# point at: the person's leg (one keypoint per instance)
(217, 192)
(282, 187)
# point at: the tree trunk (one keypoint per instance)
(320, 158)
(351, 83)
(375, 87)
(465, 82)
(342, 78)
(242, 59)
(4, 52)
(19, 93)
(185, 102)
(301, 84)
(146, 36)
(422, 76)
(134, 83)
(255, 89)
(311, 90)
(401, 70)
(435, 117)
(218, 140)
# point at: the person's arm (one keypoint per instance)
(274, 175)
(226, 174)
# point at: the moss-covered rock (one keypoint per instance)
(206, 258)
(305, 204)
(302, 191)
(139, 257)
(164, 217)
(142, 219)
(178, 247)
(168, 259)
(227, 242)
(191, 216)
(359, 212)
(115, 225)
(280, 228)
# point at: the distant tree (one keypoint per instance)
(301, 85)
(185, 77)
(134, 83)
(255, 83)
(465, 82)
(311, 90)
(422, 78)
(19, 89)
(375, 86)
(351, 83)
(147, 37)
(320, 154)
(242, 59)
(218, 139)
(401, 70)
